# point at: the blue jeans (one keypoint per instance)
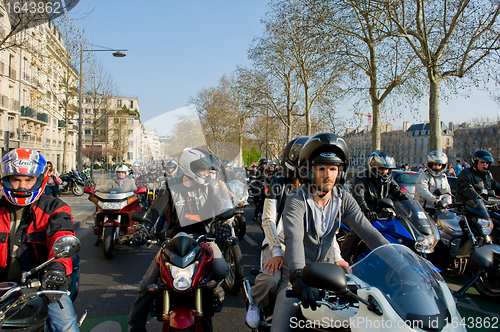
(51, 189)
(62, 320)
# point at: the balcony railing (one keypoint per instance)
(31, 113)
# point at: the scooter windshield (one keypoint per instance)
(110, 183)
(407, 281)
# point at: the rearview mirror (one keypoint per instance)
(66, 246)
(141, 190)
(481, 259)
(325, 276)
(385, 203)
(139, 216)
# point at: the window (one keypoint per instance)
(130, 121)
(131, 104)
(116, 120)
(130, 155)
(88, 131)
(130, 143)
(87, 121)
(88, 111)
(130, 132)
(119, 103)
(87, 100)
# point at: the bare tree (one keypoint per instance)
(451, 39)
(378, 61)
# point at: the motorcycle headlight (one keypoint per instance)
(112, 205)
(183, 277)
(425, 245)
(485, 226)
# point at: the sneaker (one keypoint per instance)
(253, 317)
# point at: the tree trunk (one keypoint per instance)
(289, 126)
(434, 116)
(375, 125)
(307, 110)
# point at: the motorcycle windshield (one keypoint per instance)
(239, 191)
(407, 281)
(417, 220)
(477, 208)
(109, 183)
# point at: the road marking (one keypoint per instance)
(250, 241)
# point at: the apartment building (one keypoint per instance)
(112, 129)
(409, 145)
(36, 87)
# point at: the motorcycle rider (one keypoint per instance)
(31, 222)
(227, 171)
(433, 178)
(311, 218)
(259, 185)
(368, 186)
(185, 214)
(474, 180)
(171, 169)
(122, 181)
(266, 283)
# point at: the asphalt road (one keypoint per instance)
(109, 287)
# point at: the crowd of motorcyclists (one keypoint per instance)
(300, 202)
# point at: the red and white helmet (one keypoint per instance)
(23, 162)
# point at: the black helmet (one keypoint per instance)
(481, 155)
(290, 158)
(436, 157)
(226, 163)
(381, 159)
(171, 164)
(270, 164)
(324, 148)
(262, 162)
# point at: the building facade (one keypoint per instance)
(36, 89)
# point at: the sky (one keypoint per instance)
(178, 47)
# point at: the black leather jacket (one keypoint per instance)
(366, 190)
(471, 182)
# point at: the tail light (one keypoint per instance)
(403, 189)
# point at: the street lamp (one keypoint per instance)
(116, 54)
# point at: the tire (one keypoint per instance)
(240, 226)
(77, 190)
(109, 242)
(489, 285)
(233, 257)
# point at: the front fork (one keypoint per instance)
(197, 302)
(117, 230)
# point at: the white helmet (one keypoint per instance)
(193, 160)
(436, 157)
(122, 168)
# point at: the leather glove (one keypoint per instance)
(141, 235)
(371, 215)
(54, 280)
(440, 204)
(308, 295)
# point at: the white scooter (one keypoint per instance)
(390, 289)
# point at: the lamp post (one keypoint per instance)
(116, 54)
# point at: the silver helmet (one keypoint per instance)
(436, 157)
(193, 160)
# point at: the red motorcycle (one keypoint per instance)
(186, 298)
(113, 224)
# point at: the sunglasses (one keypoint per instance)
(484, 162)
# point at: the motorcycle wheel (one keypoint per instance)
(489, 285)
(240, 226)
(234, 258)
(77, 190)
(109, 242)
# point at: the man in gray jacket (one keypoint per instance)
(433, 178)
(311, 218)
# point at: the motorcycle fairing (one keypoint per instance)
(182, 250)
(408, 283)
(34, 312)
(477, 208)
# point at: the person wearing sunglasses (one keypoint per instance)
(475, 181)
